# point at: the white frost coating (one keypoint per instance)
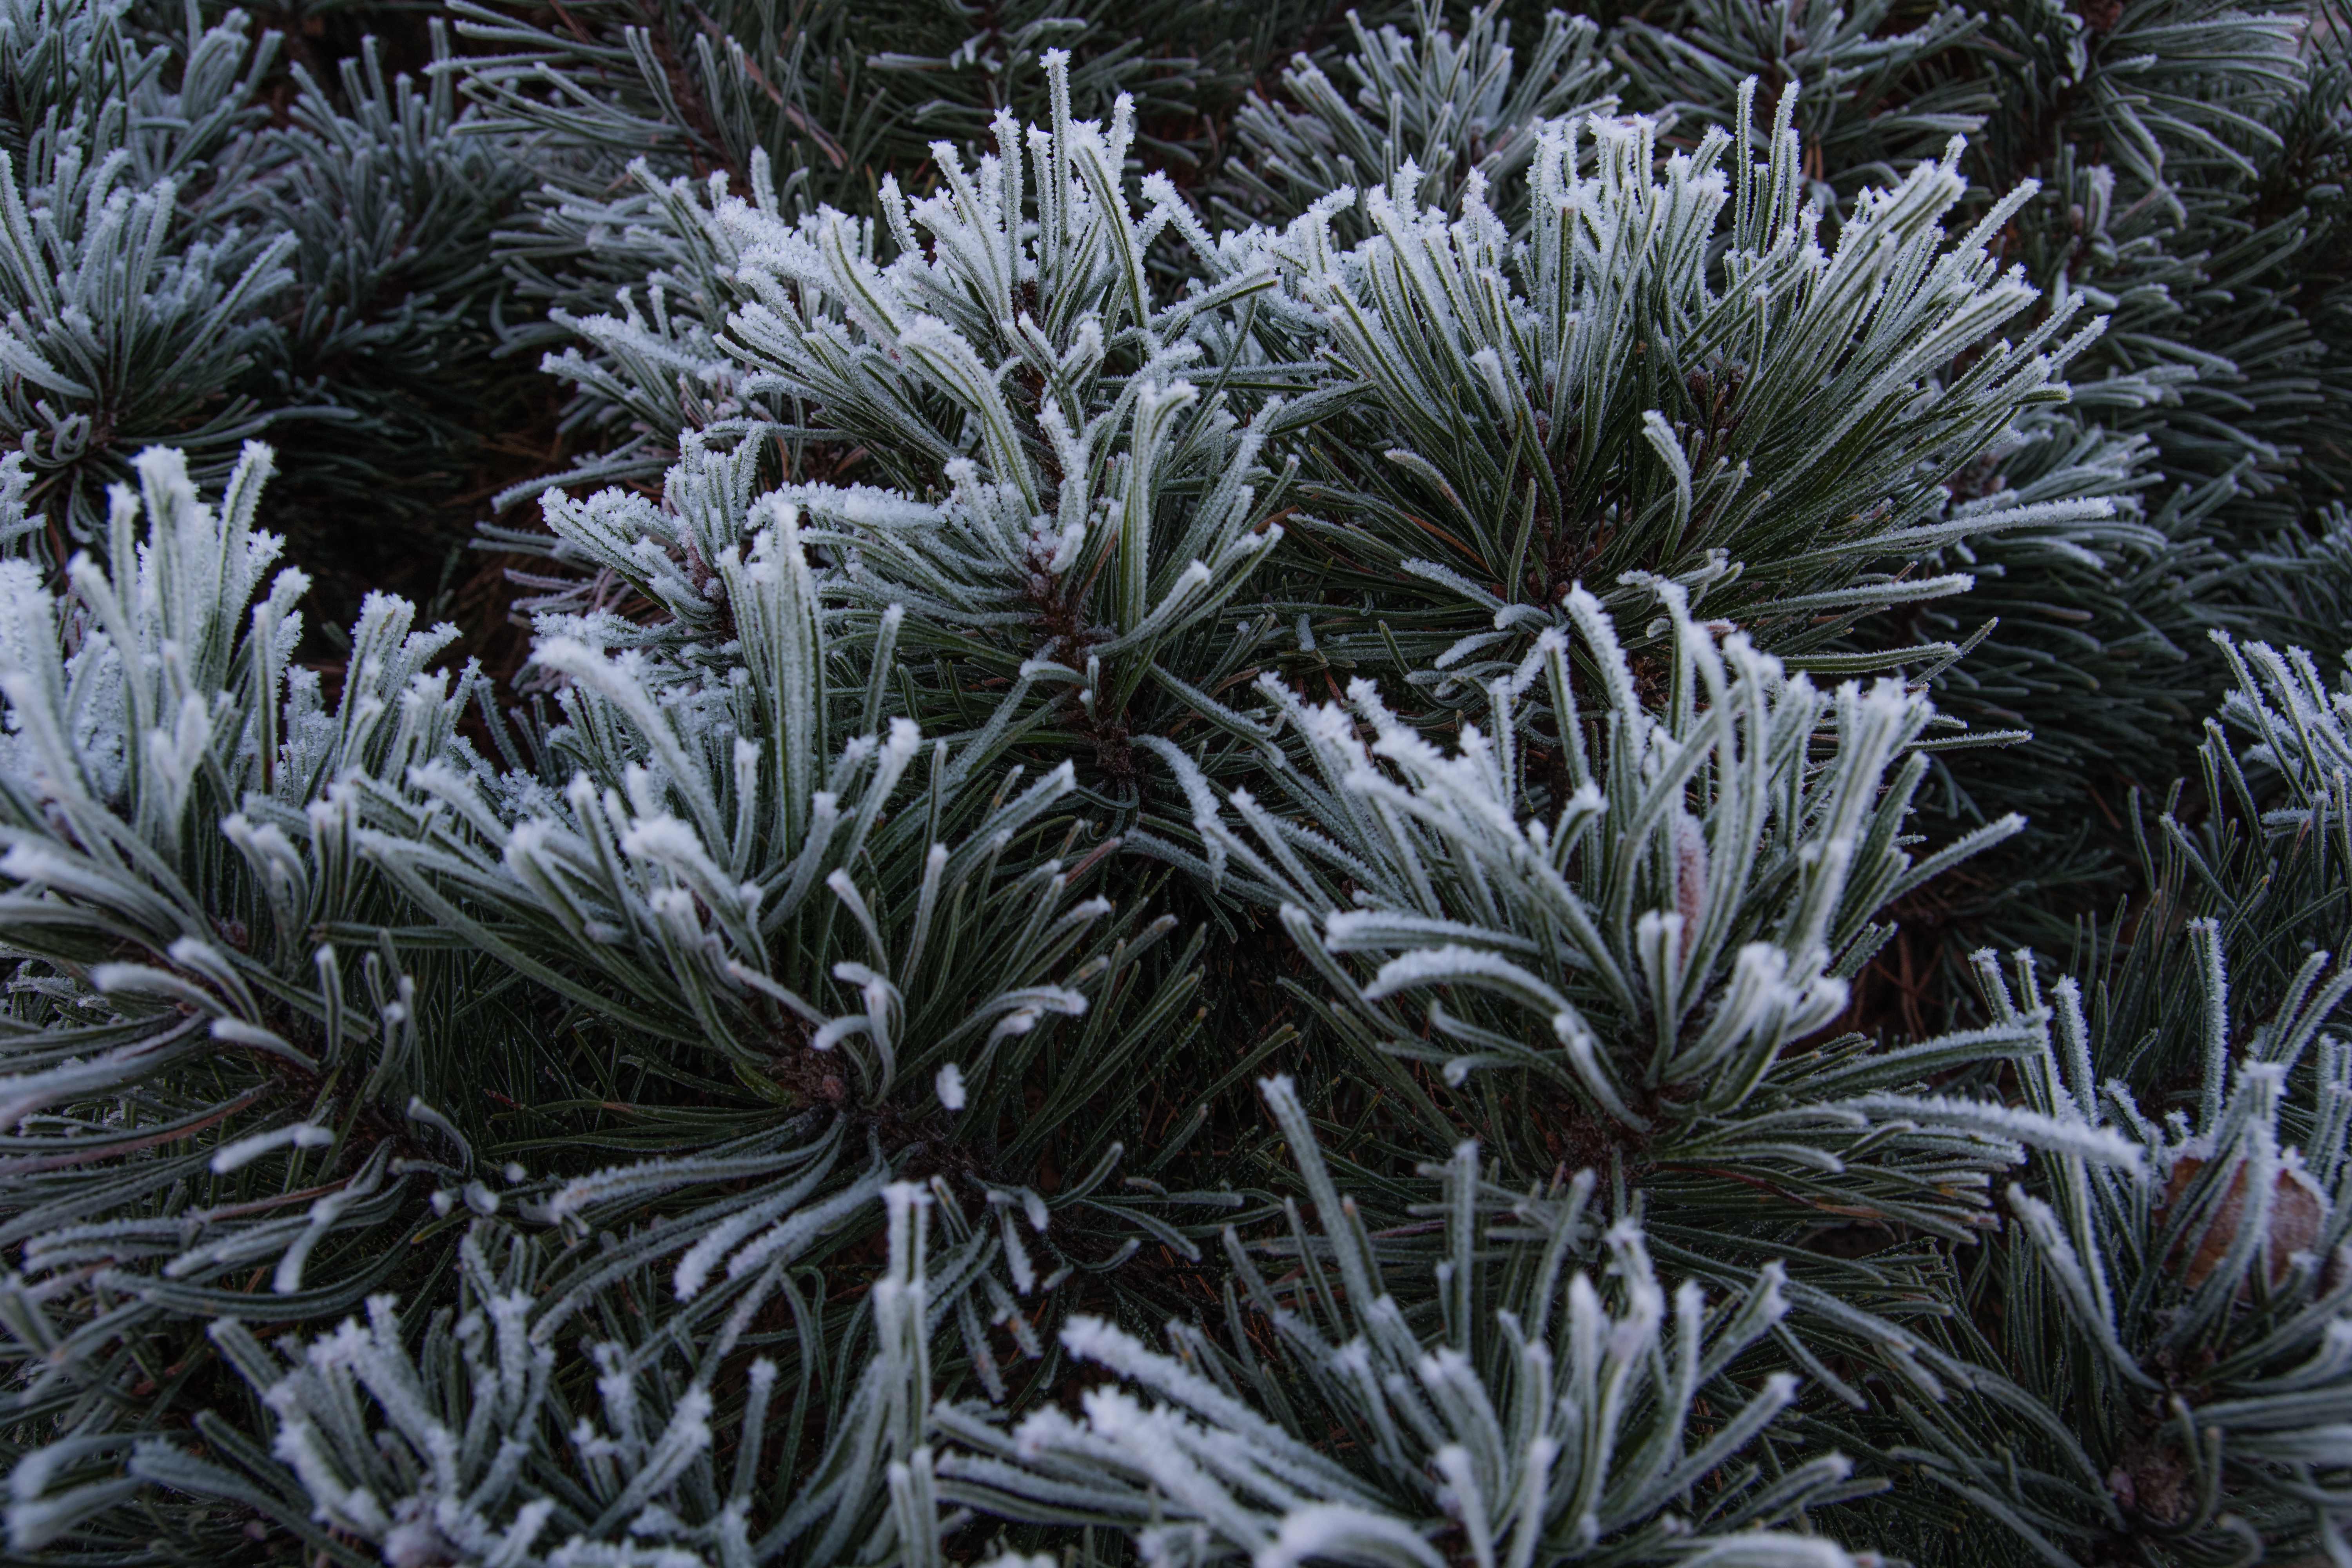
(1454, 964)
(2064, 1135)
(1334, 1533)
(1552, 1461)
(1668, 936)
(444, 1446)
(245, 1151)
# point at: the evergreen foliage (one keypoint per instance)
(138, 305)
(1441, 785)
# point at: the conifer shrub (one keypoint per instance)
(897, 784)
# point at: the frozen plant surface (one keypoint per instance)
(1450, 786)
